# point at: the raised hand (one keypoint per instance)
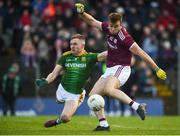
(161, 74)
(79, 8)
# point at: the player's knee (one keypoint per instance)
(96, 91)
(65, 118)
(107, 89)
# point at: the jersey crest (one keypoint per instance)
(83, 59)
(111, 46)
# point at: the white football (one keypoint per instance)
(96, 102)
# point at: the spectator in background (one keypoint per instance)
(10, 89)
(2, 47)
(43, 51)
(9, 19)
(169, 6)
(178, 10)
(2, 9)
(166, 19)
(168, 58)
(177, 40)
(137, 30)
(28, 54)
(168, 55)
(24, 5)
(58, 48)
(39, 5)
(49, 11)
(146, 82)
(150, 43)
(35, 18)
(25, 19)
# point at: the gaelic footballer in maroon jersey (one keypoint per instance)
(120, 47)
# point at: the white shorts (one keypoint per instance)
(62, 95)
(119, 71)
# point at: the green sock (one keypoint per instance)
(58, 121)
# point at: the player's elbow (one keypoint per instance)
(53, 76)
(65, 118)
(93, 23)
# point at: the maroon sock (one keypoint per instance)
(102, 119)
(131, 103)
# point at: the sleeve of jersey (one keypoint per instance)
(94, 57)
(128, 41)
(61, 61)
(104, 26)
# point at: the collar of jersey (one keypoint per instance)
(83, 53)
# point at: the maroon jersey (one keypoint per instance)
(118, 46)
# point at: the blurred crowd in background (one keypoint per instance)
(34, 33)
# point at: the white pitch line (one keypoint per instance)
(150, 128)
(129, 127)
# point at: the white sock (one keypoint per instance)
(103, 123)
(135, 105)
(58, 121)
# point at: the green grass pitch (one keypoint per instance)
(83, 125)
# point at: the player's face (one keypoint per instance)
(114, 27)
(76, 46)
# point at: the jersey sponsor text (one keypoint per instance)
(75, 65)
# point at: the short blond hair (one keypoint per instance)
(80, 37)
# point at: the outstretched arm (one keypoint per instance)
(50, 78)
(87, 17)
(102, 56)
(135, 49)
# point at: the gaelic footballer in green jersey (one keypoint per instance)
(77, 65)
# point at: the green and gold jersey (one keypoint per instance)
(76, 70)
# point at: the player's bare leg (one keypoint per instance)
(98, 89)
(111, 90)
(69, 109)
